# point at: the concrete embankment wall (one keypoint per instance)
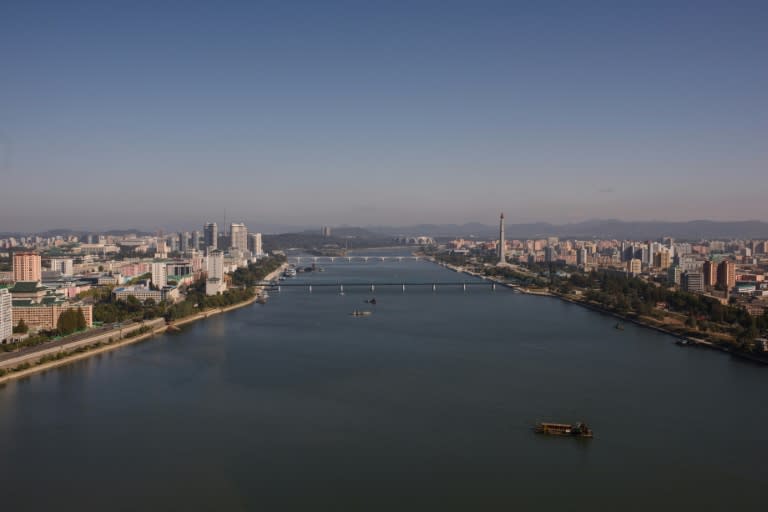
(100, 338)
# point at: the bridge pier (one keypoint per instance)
(279, 289)
(464, 286)
(310, 288)
(403, 287)
(373, 288)
(493, 286)
(434, 287)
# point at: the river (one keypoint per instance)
(427, 404)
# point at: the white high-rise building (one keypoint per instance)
(256, 247)
(215, 264)
(215, 268)
(6, 315)
(238, 237)
(160, 274)
(162, 249)
(64, 265)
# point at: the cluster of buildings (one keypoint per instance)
(735, 270)
(24, 299)
(49, 275)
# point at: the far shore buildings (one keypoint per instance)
(27, 267)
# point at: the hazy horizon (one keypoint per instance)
(308, 226)
(148, 116)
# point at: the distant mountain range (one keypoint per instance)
(608, 229)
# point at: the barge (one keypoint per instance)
(564, 429)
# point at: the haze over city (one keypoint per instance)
(146, 115)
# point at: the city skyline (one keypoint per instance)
(441, 112)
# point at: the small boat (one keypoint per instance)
(358, 312)
(683, 342)
(563, 429)
(619, 326)
(371, 301)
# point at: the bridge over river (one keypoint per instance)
(372, 286)
(350, 259)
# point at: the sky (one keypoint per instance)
(165, 114)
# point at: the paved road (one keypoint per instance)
(4, 356)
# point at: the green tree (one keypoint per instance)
(67, 322)
(21, 328)
(80, 319)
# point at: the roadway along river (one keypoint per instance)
(427, 404)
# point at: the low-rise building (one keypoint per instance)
(45, 315)
(143, 293)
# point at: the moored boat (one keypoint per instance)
(564, 429)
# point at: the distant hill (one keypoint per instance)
(693, 230)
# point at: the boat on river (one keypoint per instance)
(564, 429)
(358, 312)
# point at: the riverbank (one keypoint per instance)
(694, 341)
(90, 347)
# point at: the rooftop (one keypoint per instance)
(26, 287)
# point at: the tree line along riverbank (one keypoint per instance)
(699, 318)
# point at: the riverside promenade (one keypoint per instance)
(87, 344)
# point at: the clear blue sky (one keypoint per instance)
(162, 114)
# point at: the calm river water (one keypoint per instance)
(427, 404)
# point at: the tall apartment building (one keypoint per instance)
(160, 274)
(726, 274)
(210, 235)
(183, 241)
(238, 236)
(196, 237)
(693, 281)
(710, 273)
(674, 275)
(215, 282)
(662, 259)
(27, 267)
(216, 264)
(634, 266)
(255, 244)
(64, 265)
(6, 315)
(581, 256)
